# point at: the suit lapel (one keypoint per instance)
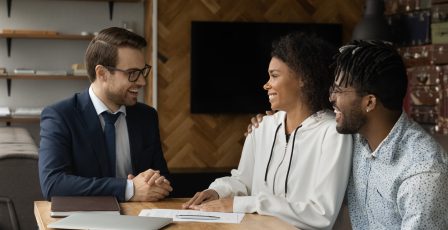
(132, 126)
(94, 132)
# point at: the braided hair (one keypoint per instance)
(373, 67)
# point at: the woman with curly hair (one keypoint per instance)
(295, 166)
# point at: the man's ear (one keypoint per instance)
(101, 72)
(371, 102)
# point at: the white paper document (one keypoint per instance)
(193, 215)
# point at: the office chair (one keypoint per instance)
(19, 180)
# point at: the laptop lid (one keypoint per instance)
(110, 222)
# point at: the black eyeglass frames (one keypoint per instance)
(134, 73)
(334, 89)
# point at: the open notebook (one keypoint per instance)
(110, 222)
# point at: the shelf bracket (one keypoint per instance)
(8, 85)
(8, 45)
(8, 3)
(111, 10)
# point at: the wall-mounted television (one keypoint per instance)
(229, 62)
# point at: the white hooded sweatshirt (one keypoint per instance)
(318, 172)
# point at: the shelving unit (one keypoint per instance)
(42, 77)
(46, 36)
(419, 29)
(39, 35)
(31, 119)
(21, 35)
(20, 119)
(111, 5)
(10, 34)
(9, 78)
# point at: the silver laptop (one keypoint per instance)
(110, 222)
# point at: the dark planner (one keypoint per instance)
(66, 205)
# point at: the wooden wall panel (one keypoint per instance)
(215, 141)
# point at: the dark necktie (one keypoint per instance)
(109, 134)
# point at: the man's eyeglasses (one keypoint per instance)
(334, 89)
(133, 74)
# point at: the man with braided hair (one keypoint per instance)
(399, 177)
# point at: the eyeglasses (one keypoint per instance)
(334, 89)
(134, 73)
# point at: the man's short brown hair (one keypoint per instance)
(103, 49)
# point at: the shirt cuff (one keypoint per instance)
(244, 204)
(129, 193)
(221, 190)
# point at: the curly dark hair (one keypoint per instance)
(310, 57)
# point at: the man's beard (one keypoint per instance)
(351, 122)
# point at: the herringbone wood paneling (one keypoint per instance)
(215, 141)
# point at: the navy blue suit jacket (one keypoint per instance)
(72, 154)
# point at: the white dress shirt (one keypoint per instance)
(123, 152)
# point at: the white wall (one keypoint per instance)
(71, 17)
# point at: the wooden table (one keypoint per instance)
(250, 221)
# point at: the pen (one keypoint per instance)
(198, 217)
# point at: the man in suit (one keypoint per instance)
(82, 153)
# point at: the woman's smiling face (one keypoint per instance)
(283, 86)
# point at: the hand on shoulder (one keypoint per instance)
(255, 121)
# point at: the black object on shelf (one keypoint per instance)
(373, 26)
(111, 9)
(8, 4)
(8, 85)
(8, 45)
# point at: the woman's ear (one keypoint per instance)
(301, 84)
(300, 81)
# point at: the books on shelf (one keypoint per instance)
(66, 205)
(3, 71)
(52, 72)
(79, 72)
(26, 112)
(22, 31)
(5, 112)
(24, 71)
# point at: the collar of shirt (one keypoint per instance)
(310, 122)
(394, 136)
(100, 106)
